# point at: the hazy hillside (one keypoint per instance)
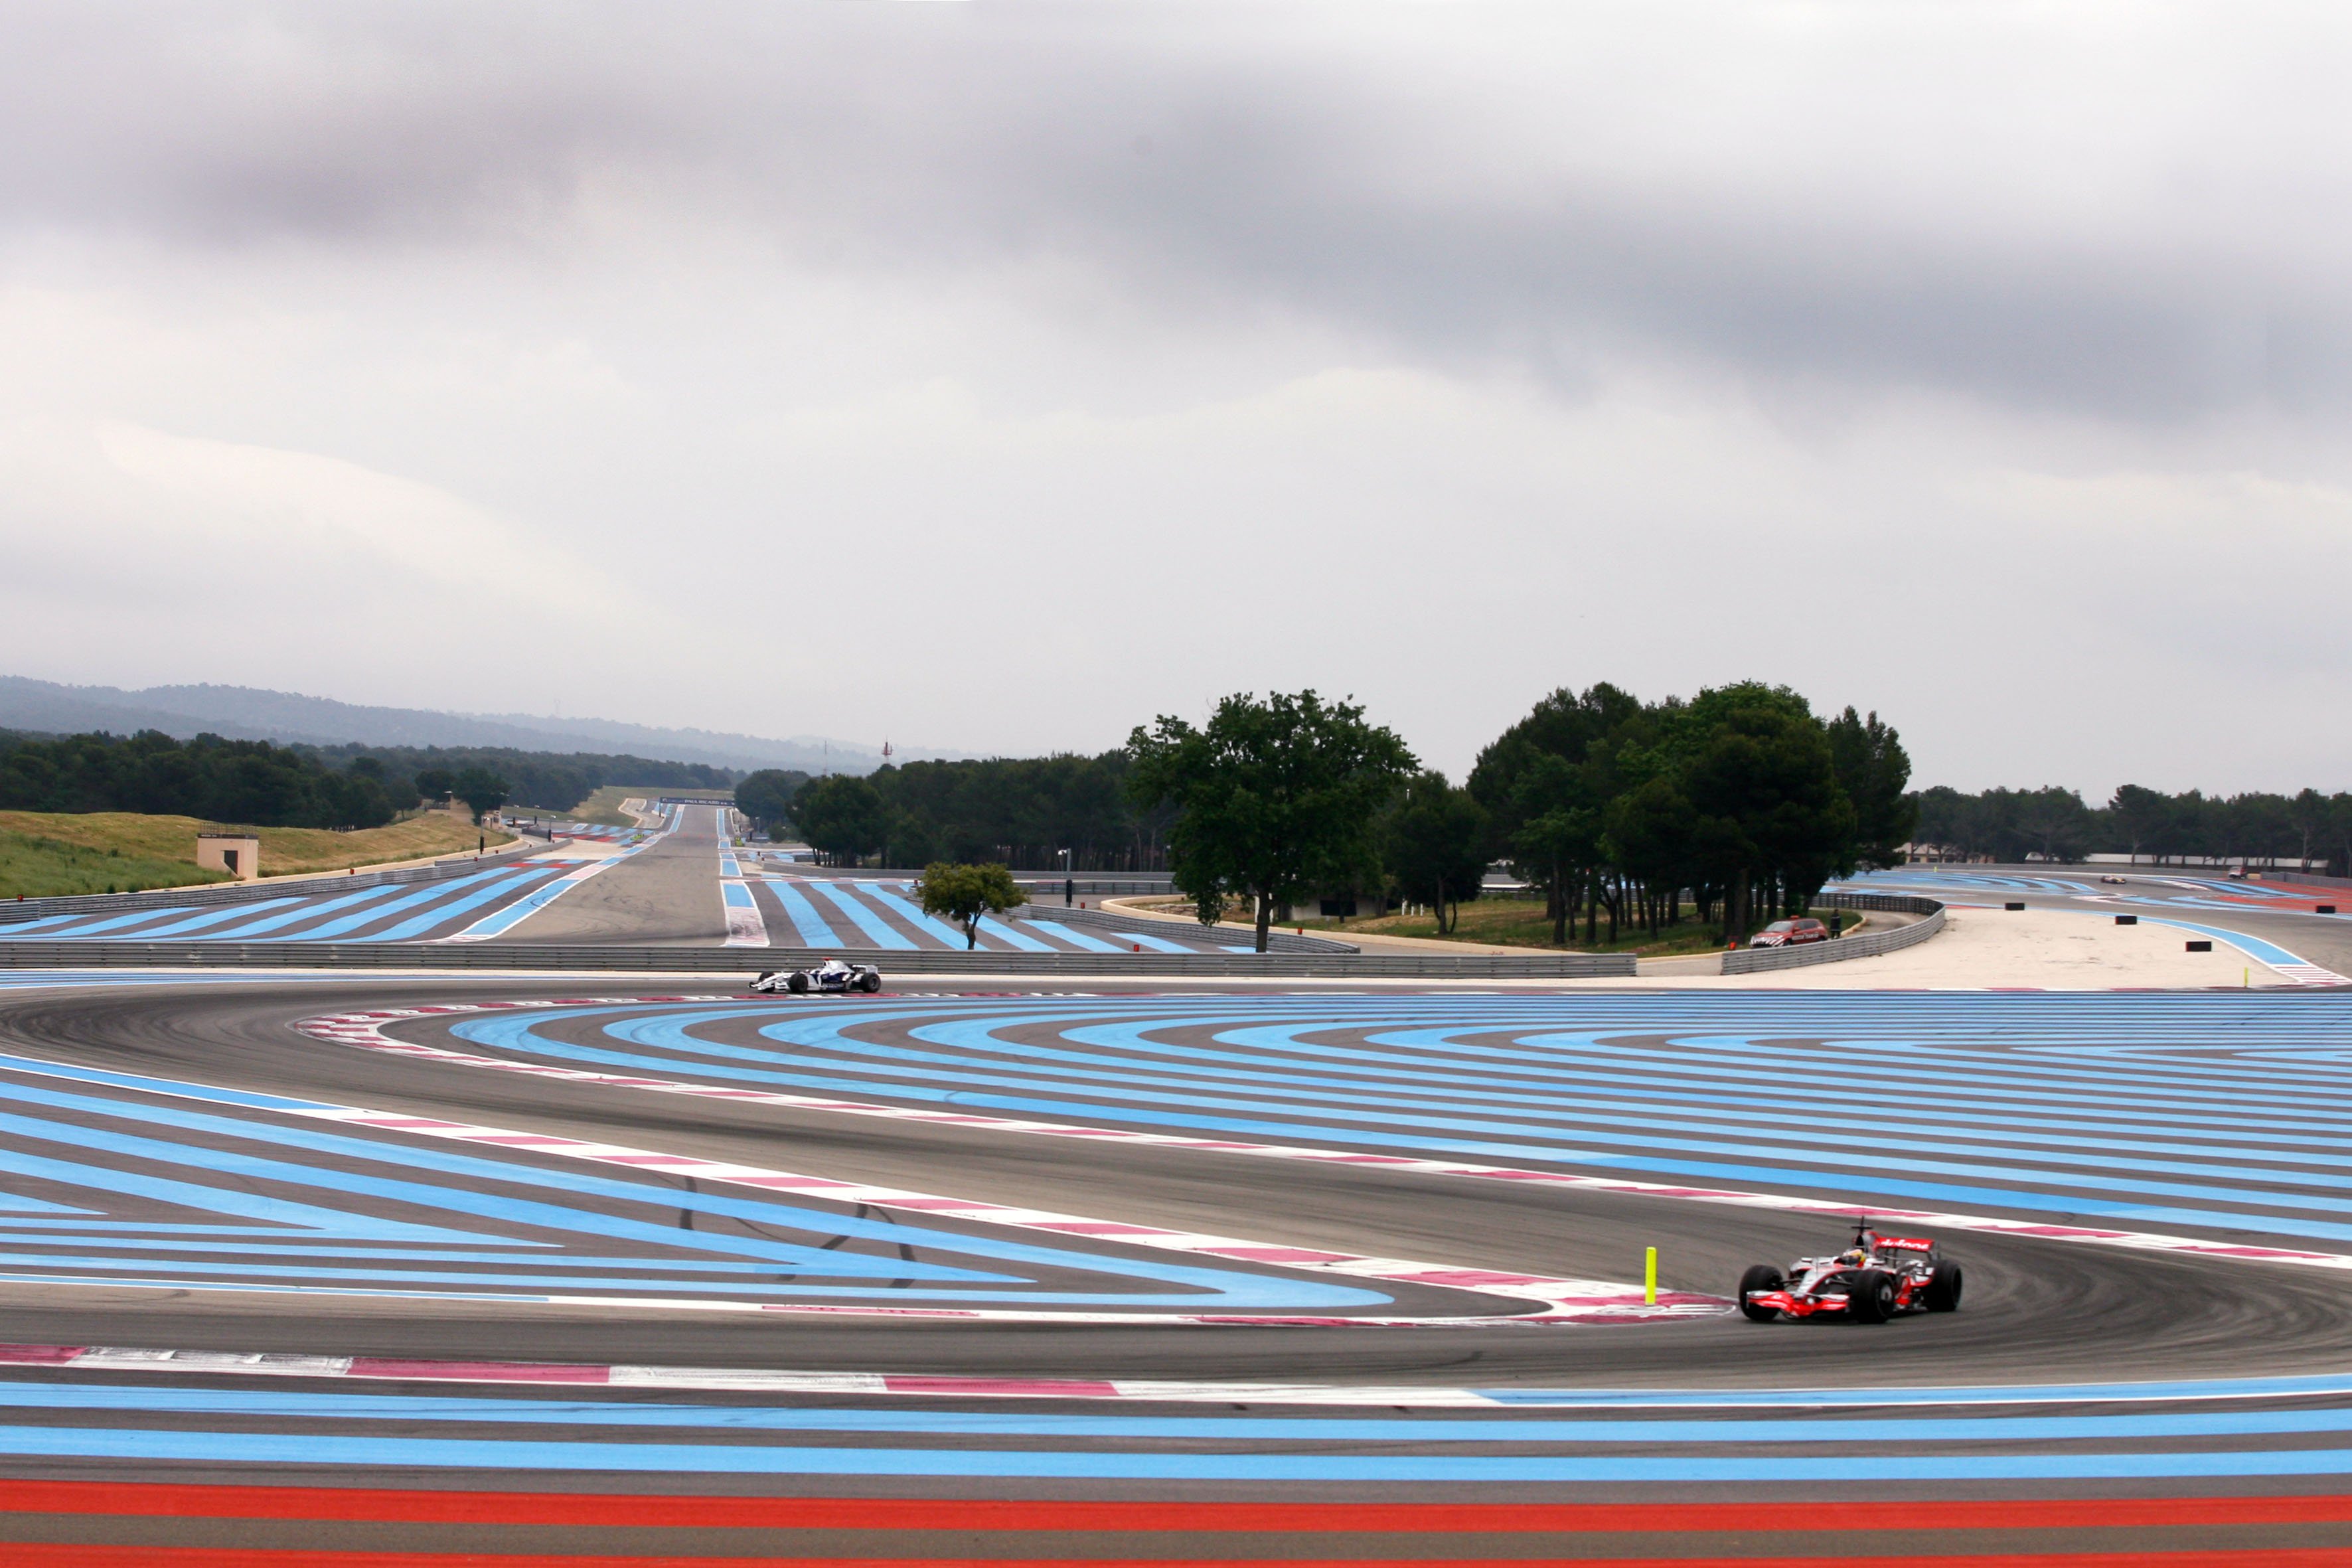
(248, 714)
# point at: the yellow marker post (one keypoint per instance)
(1650, 1275)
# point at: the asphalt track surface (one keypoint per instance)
(681, 887)
(322, 1269)
(872, 1260)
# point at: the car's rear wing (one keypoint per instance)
(1907, 1243)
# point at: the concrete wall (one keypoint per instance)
(237, 854)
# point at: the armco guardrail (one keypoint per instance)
(1753, 960)
(17, 911)
(35, 955)
(1275, 941)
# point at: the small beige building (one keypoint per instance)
(238, 854)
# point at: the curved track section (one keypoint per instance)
(1313, 1250)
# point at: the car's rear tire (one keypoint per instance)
(1943, 1292)
(797, 984)
(1760, 1277)
(869, 983)
(1869, 1296)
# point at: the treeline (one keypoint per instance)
(2055, 824)
(1742, 796)
(250, 782)
(257, 784)
(1020, 811)
(547, 780)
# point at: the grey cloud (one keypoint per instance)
(1426, 177)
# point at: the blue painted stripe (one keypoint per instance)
(2038, 1171)
(48, 922)
(937, 930)
(307, 909)
(1184, 1285)
(433, 903)
(193, 922)
(558, 883)
(177, 1444)
(878, 930)
(1026, 1423)
(1869, 1172)
(806, 922)
(1077, 937)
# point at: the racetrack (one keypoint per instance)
(387, 1244)
(1040, 1165)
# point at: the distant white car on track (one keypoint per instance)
(834, 976)
(2117, 880)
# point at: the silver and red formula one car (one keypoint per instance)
(1872, 1280)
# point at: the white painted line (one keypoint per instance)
(365, 1030)
(1555, 1300)
(903, 1385)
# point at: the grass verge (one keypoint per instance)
(32, 867)
(603, 807)
(171, 842)
(1520, 922)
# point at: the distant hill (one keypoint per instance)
(250, 713)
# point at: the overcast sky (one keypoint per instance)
(993, 376)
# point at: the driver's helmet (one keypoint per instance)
(1855, 1255)
(835, 966)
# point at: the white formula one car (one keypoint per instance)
(833, 975)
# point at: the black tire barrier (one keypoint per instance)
(2200, 947)
(2126, 919)
(2012, 906)
(2323, 908)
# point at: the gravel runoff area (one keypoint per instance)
(1993, 949)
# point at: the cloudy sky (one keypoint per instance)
(992, 376)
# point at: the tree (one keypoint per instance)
(2310, 816)
(2141, 819)
(1757, 763)
(1275, 796)
(436, 784)
(968, 893)
(482, 791)
(766, 796)
(1558, 843)
(2054, 822)
(1653, 836)
(841, 816)
(1435, 846)
(1876, 772)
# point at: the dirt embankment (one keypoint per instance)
(284, 850)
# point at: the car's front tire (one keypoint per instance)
(1870, 1296)
(797, 984)
(1760, 1277)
